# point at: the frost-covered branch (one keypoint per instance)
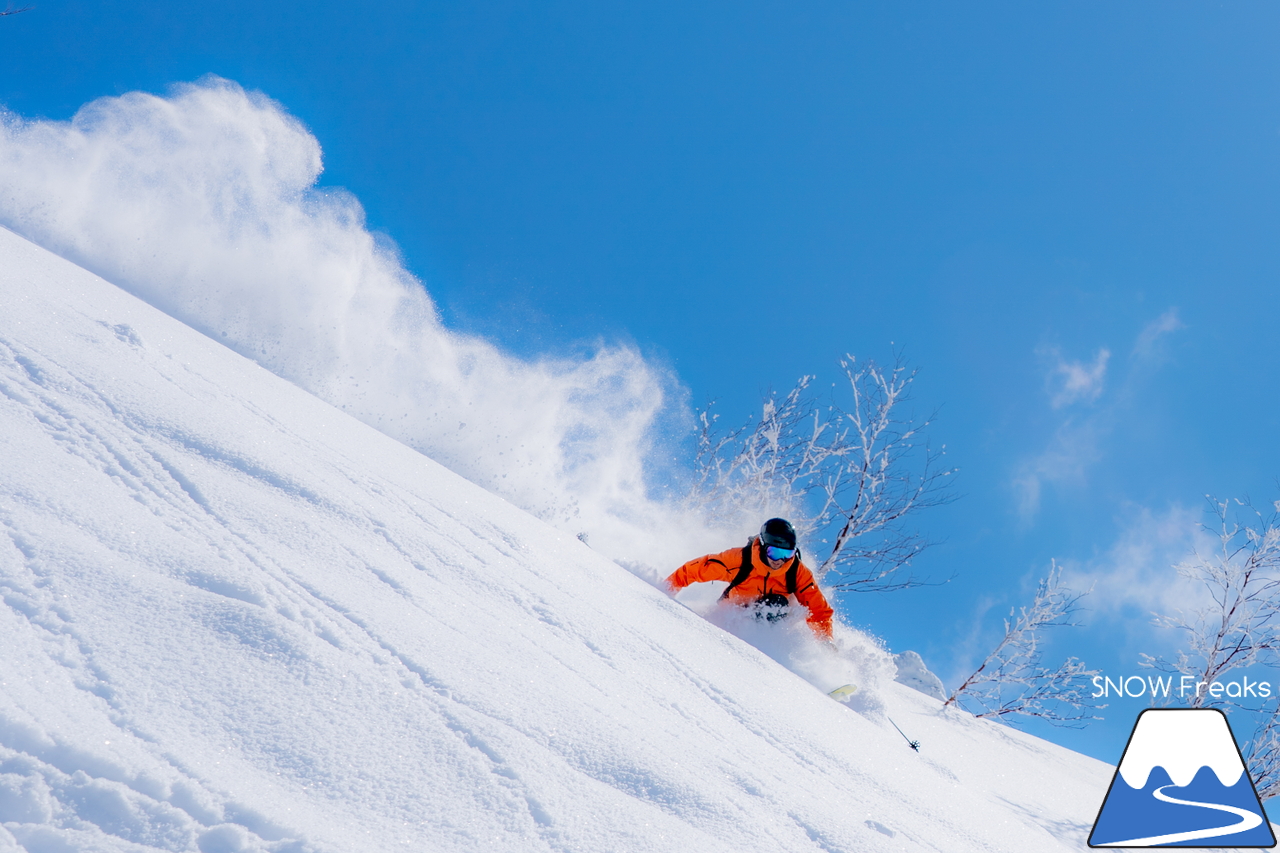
(1262, 754)
(12, 11)
(1013, 680)
(884, 472)
(848, 476)
(1240, 627)
(767, 466)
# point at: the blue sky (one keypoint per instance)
(1064, 215)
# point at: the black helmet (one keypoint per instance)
(779, 533)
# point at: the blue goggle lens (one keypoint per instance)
(775, 553)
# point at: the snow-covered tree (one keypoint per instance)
(1237, 627)
(1013, 679)
(848, 473)
(1262, 752)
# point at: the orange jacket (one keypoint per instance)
(762, 580)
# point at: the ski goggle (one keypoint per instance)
(775, 553)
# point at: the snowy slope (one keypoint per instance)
(237, 619)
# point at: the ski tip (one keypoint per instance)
(840, 694)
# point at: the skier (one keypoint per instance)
(764, 574)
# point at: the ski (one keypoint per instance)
(842, 694)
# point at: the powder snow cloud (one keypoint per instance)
(205, 204)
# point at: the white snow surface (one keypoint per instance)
(236, 619)
(913, 673)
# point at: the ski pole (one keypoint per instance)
(914, 744)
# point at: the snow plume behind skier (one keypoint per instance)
(205, 203)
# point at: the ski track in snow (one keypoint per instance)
(235, 620)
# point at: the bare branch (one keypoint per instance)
(1262, 754)
(847, 476)
(12, 11)
(1012, 680)
(1241, 627)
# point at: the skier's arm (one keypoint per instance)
(820, 613)
(713, 567)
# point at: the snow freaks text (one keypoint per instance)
(1185, 686)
